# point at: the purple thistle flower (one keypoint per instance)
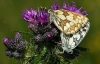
(9, 43)
(29, 15)
(34, 17)
(71, 7)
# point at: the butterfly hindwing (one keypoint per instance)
(69, 42)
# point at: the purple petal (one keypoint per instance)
(42, 16)
(65, 6)
(55, 6)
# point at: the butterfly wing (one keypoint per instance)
(67, 21)
(71, 41)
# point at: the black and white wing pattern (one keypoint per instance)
(70, 41)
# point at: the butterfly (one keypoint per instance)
(73, 27)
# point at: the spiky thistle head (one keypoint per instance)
(36, 17)
(15, 45)
(72, 7)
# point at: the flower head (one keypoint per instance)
(32, 16)
(71, 7)
(9, 43)
(14, 44)
(29, 15)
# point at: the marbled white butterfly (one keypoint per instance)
(73, 27)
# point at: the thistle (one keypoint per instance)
(45, 45)
(15, 46)
(72, 7)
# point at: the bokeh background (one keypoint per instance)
(10, 19)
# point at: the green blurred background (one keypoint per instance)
(10, 19)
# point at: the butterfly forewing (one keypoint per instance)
(67, 21)
(71, 41)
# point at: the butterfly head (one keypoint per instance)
(67, 49)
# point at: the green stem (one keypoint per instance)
(38, 58)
